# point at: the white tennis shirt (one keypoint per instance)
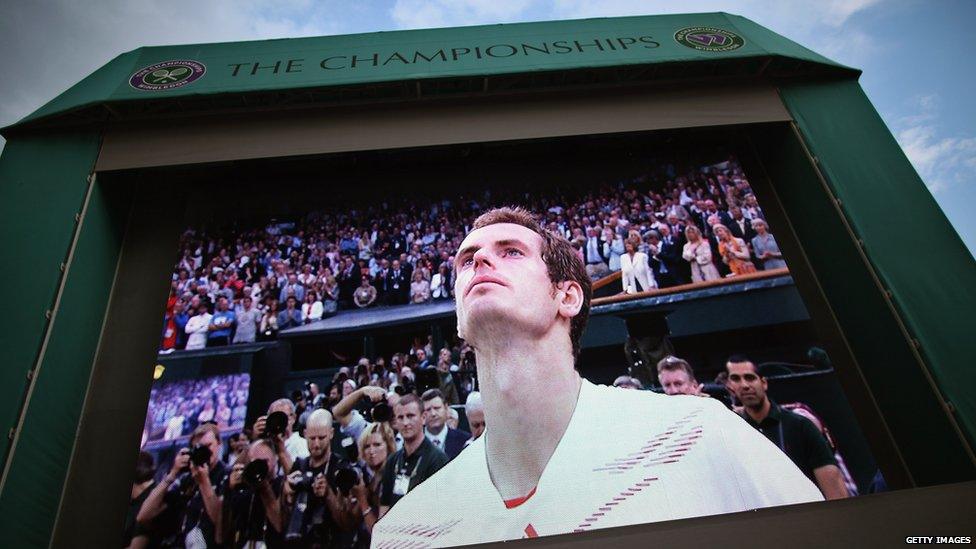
(627, 457)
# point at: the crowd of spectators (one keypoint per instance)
(666, 227)
(177, 407)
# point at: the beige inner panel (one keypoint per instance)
(268, 135)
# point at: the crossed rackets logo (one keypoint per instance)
(167, 75)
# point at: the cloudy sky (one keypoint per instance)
(916, 54)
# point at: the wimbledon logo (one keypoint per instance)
(167, 75)
(709, 39)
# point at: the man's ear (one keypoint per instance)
(569, 294)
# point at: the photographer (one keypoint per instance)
(320, 511)
(252, 507)
(351, 421)
(184, 507)
(287, 444)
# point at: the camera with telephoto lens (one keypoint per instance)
(200, 455)
(378, 411)
(255, 472)
(345, 479)
(275, 424)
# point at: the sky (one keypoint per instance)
(913, 52)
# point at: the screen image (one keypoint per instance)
(477, 345)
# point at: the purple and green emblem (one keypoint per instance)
(709, 39)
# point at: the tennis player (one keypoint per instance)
(559, 453)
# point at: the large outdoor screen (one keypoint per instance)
(486, 343)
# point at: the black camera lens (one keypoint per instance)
(255, 472)
(275, 424)
(200, 455)
(345, 479)
(381, 412)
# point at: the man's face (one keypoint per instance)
(503, 281)
(222, 304)
(263, 451)
(676, 382)
(745, 384)
(421, 355)
(213, 444)
(396, 265)
(476, 420)
(409, 420)
(436, 413)
(319, 439)
(238, 443)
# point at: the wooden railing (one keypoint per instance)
(758, 275)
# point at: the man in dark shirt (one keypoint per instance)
(252, 512)
(795, 435)
(417, 461)
(187, 499)
(317, 514)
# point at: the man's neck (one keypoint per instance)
(760, 412)
(530, 388)
(324, 460)
(411, 445)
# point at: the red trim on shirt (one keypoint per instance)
(515, 502)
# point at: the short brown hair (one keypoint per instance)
(562, 261)
(674, 364)
(431, 394)
(203, 429)
(410, 398)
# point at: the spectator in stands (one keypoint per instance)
(595, 255)
(221, 324)
(613, 248)
(197, 328)
(419, 288)
(436, 411)
(417, 461)
(698, 253)
(292, 288)
(440, 283)
(670, 256)
(733, 251)
(376, 444)
(795, 435)
(330, 296)
(677, 377)
(312, 308)
(291, 316)
(739, 225)
(474, 410)
(248, 319)
(365, 295)
(765, 247)
(269, 321)
(635, 270)
(399, 284)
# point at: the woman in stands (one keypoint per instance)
(733, 250)
(765, 247)
(634, 268)
(312, 308)
(698, 252)
(269, 322)
(330, 296)
(419, 288)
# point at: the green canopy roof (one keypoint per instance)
(430, 54)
